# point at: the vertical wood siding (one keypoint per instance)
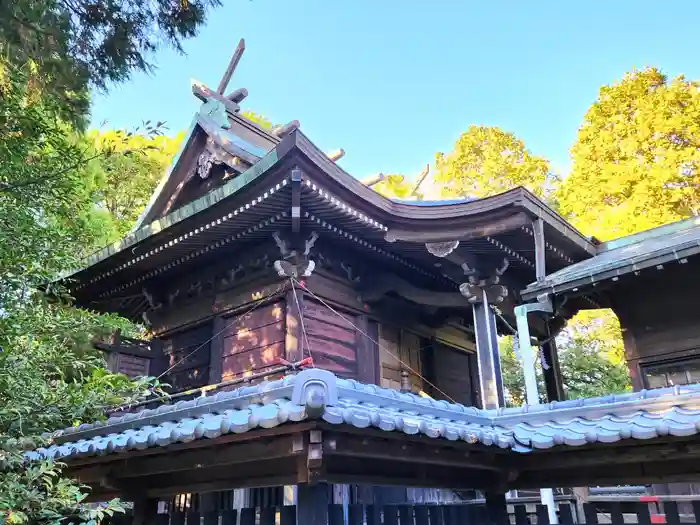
(193, 371)
(331, 340)
(405, 346)
(253, 342)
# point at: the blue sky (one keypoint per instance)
(392, 82)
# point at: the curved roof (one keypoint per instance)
(637, 415)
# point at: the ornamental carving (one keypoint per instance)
(476, 288)
(441, 249)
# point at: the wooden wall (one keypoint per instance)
(400, 350)
(454, 372)
(193, 346)
(658, 312)
(129, 365)
(331, 339)
(253, 342)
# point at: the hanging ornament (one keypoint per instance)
(441, 249)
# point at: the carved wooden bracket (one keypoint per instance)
(295, 262)
(475, 288)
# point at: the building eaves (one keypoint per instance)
(673, 242)
(318, 394)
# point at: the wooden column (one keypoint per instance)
(293, 340)
(312, 503)
(145, 511)
(553, 380)
(216, 349)
(368, 366)
(490, 379)
(540, 245)
(496, 508)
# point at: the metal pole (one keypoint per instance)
(531, 394)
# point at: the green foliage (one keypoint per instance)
(394, 186)
(487, 161)
(591, 357)
(128, 181)
(636, 160)
(258, 119)
(81, 43)
(50, 375)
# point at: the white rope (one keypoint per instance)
(379, 345)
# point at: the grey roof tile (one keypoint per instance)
(628, 254)
(319, 394)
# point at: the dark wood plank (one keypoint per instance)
(247, 516)
(288, 515)
(262, 316)
(336, 515)
(436, 515)
(319, 312)
(565, 515)
(542, 513)
(367, 351)
(422, 515)
(193, 517)
(591, 514)
(374, 515)
(246, 340)
(643, 514)
(216, 350)
(252, 361)
(391, 515)
(312, 503)
(344, 351)
(229, 517)
(520, 515)
(293, 342)
(356, 514)
(177, 518)
(267, 515)
(671, 513)
(616, 517)
(405, 514)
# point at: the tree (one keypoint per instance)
(487, 161)
(394, 186)
(636, 160)
(128, 181)
(77, 44)
(591, 357)
(50, 375)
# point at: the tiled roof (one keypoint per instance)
(628, 254)
(318, 394)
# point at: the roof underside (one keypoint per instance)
(251, 206)
(673, 242)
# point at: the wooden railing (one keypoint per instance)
(458, 514)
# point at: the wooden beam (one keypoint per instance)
(296, 200)
(312, 503)
(419, 180)
(373, 179)
(418, 453)
(490, 378)
(540, 250)
(472, 229)
(293, 340)
(376, 287)
(367, 350)
(237, 54)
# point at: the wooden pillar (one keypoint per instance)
(216, 349)
(540, 245)
(312, 503)
(490, 379)
(293, 340)
(145, 511)
(553, 380)
(496, 508)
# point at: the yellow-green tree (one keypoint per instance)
(394, 186)
(487, 161)
(636, 160)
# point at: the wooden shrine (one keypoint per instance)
(258, 254)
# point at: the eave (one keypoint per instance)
(259, 200)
